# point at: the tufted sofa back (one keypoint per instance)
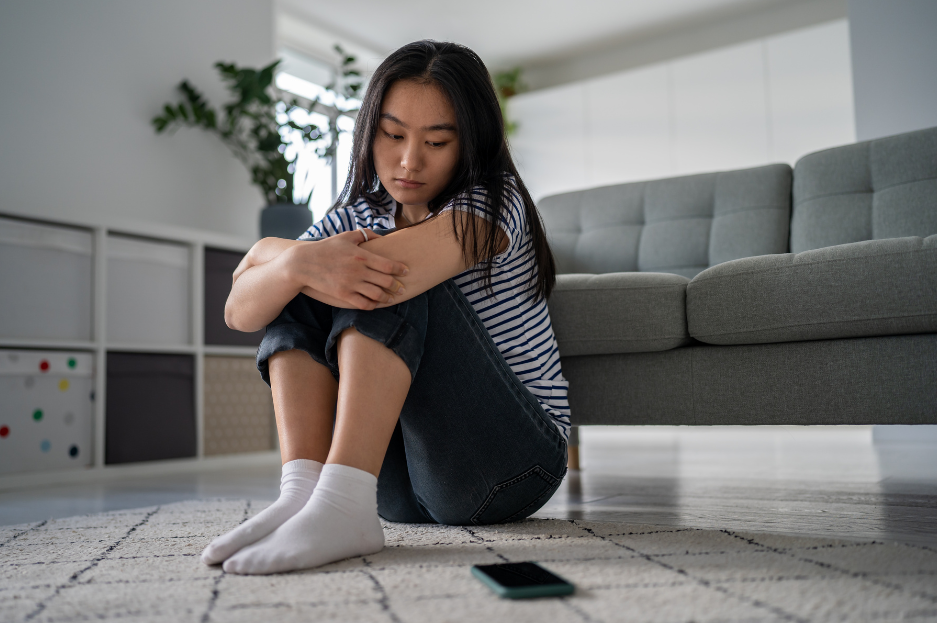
(679, 225)
(885, 188)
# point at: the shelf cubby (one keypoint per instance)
(150, 407)
(219, 266)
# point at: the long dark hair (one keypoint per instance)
(484, 159)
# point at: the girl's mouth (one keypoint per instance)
(405, 183)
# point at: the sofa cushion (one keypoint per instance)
(619, 313)
(886, 188)
(678, 225)
(870, 288)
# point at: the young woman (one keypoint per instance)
(415, 374)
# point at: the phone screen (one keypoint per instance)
(520, 574)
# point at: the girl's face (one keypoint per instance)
(416, 149)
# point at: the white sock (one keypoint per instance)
(339, 521)
(297, 483)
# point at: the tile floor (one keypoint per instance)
(821, 481)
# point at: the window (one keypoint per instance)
(322, 177)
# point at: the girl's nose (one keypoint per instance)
(412, 159)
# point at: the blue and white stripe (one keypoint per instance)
(518, 324)
(378, 213)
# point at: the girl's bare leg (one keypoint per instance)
(374, 384)
(304, 395)
(340, 520)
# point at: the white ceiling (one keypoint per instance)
(507, 32)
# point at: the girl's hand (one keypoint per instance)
(335, 271)
(338, 272)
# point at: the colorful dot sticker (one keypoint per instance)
(45, 446)
(44, 365)
(4, 432)
(73, 451)
(37, 414)
(72, 363)
(63, 385)
(69, 418)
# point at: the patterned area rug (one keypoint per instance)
(142, 565)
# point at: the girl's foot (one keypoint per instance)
(296, 486)
(339, 521)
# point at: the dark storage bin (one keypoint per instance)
(219, 266)
(150, 407)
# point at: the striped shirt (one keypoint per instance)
(518, 323)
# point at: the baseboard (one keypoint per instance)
(111, 473)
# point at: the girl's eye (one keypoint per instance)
(432, 144)
(393, 136)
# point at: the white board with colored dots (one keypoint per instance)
(46, 410)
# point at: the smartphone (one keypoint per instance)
(518, 580)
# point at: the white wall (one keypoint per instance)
(80, 83)
(694, 33)
(769, 100)
(894, 61)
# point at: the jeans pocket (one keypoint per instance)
(510, 500)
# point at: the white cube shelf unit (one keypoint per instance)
(103, 291)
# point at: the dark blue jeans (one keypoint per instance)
(472, 445)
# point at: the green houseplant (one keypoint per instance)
(259, 124)
(508, 83)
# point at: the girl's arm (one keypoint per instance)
(335, 270)
(431, 251)
(344, 271)
(262, 252)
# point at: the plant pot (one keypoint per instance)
(284, 220)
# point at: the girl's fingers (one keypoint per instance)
(363, 234)
(386, 282)
(362, 302)
(383, 265)
(372, 260)
(355, 236)
(374, 293)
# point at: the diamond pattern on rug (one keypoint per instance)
(143, 565)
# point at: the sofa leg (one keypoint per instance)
(572, 460)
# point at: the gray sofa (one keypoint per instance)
(759, 296)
